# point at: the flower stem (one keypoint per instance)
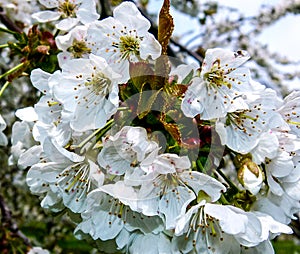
(223, 200)
(200, 166)
(7, 83)
(19, 66)
(228, 181)
(3, 46)
(2, 29)
(105, 128)
(98, 132)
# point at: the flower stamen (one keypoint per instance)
(79, 48)
(67, 9)
(216, 76)
(128, 45)
(99, 84)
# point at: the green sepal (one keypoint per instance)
(188, 78)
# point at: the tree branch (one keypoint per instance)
(8, 23)
(8, 222)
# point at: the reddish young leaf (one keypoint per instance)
(174, 131)
(165, 30)
(165, 27)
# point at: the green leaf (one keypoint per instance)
(127, 90)
(146, 101)
(141, 73)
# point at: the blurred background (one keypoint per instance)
(268, 30)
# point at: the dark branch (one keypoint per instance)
(8, 23)
(105, 7)
(8, 222)
(189, 52)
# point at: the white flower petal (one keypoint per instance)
(49, 3)
(150, 47)
(67, 24)
(202, 182)
(230, 221)
(39, 80)
(127, 13)
(45, 16)
(174, 203)
(27, 114)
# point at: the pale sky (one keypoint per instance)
(283, 36)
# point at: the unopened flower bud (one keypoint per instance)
(43, 49)
(250, 176)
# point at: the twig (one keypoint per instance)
(8, 222)
(8, 23)
(189, 52)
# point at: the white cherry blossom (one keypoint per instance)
(65, 177)
(73, 45)
(88, 88)
(282, 172)
(125, 150)
(25, 151)
(290, 112)
(240, 130)
(204, 234)
(220, 86)
(68, 12)
(223, 229)
(282, 176)
(51, 120)
(171, 186)
(123, 38)
(107, 216)
(282, 208)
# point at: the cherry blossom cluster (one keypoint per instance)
(106, 141)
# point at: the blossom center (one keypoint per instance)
(75, 179)
(116, 209)
(79, 48)
(216, 77)
(238, 120)
(201, 223)
(67, 9)
(128, 45)
(99, 84)
(166, 183)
